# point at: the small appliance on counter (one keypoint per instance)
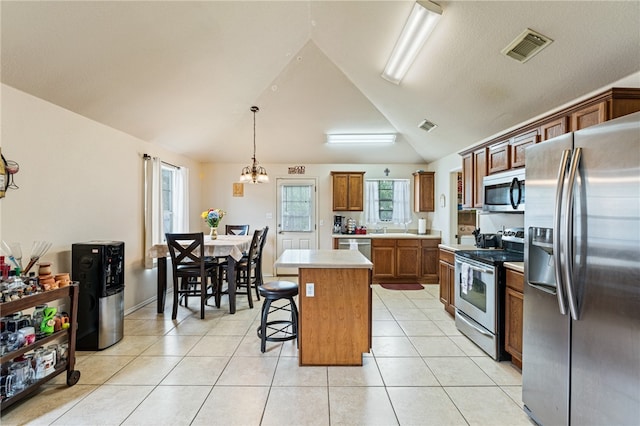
(339, 224)
(486, 240)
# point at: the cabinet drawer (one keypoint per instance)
(515, 280)
(383, 242)
(430, 242)
(408, 243)
(447, 256)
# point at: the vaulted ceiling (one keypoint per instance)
(184, 74)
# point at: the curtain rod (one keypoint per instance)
(148, 157)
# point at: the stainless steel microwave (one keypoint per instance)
(504, 192)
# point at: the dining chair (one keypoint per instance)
(236, 229)
(246, 268)
(192, 274)
(263, 240)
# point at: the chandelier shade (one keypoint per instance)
(254, 173)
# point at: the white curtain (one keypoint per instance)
(181, 200)
(401, 202)
(153, 232)
(372, 203)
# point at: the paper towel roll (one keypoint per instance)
(422, 226)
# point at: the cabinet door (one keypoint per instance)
(518, 146)
(340, 192)
(408, 259)
(429, 261)
(589, 116)
(513, 324)
(383, 257)
(553, 128)
(479, 172)
(467, 181)
(444, 282)
(423, 188)
(499, 157)
(356, 191)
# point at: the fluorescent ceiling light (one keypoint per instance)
(422, 20)
(361, 138)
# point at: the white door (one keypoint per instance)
(296, 217)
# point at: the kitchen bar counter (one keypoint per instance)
(335, 305)
(455, 247)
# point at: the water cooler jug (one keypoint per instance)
(99, 268)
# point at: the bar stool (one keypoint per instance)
(278, 330)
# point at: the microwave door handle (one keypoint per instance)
(512, 186)
(567, 226)
(557, 258)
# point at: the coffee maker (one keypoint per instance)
(339, 224)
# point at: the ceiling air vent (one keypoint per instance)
(526, 45)
(427, 125)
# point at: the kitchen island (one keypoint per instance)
(335, 305)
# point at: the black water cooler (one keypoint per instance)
(99, 268)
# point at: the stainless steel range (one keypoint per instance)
(480, 289)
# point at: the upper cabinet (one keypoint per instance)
(423, 189)
(348, 191)
(507, 151)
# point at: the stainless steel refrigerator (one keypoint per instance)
(581, 338)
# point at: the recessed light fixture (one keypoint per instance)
(422, 20)
(361, 138)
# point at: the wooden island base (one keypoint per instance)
(334, 302)
(335, 324)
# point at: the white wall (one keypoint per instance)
(79, 181)
(445, 218)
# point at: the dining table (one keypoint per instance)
(231, 246)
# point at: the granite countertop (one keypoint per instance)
(389, 235)
(335, 259)
(516, 266)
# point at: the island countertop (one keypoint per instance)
(324, 258)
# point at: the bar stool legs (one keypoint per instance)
(278, 330)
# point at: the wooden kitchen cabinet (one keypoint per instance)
(348, 191)
(499, 157)
(554, 128)
(405, 260)
(479, 172)
(447, 280)
(383, 257)
(514, 302)
(589, 116)
(429, 262)
(408, 259)
(518, 146)
(423, 189)
(467, 181)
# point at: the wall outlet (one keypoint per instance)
(310, 290)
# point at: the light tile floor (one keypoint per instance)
(421, 371)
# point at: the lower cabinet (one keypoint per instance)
(514, 302)
(447, 280)
(405, 259)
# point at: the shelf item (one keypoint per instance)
(27, 302)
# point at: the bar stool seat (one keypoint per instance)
(278, 330)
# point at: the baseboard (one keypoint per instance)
(144, 303)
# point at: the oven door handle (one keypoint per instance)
(463, 318)
(475, 268)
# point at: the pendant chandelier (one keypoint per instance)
(254, 173)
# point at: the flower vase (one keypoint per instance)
(213, 232)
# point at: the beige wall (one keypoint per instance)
(79, 181)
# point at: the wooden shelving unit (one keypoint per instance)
(70, 292)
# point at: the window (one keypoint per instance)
(168, 198)
(387, 200)
(296, 207)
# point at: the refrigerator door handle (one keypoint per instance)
(557, 259)
(568, 231)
